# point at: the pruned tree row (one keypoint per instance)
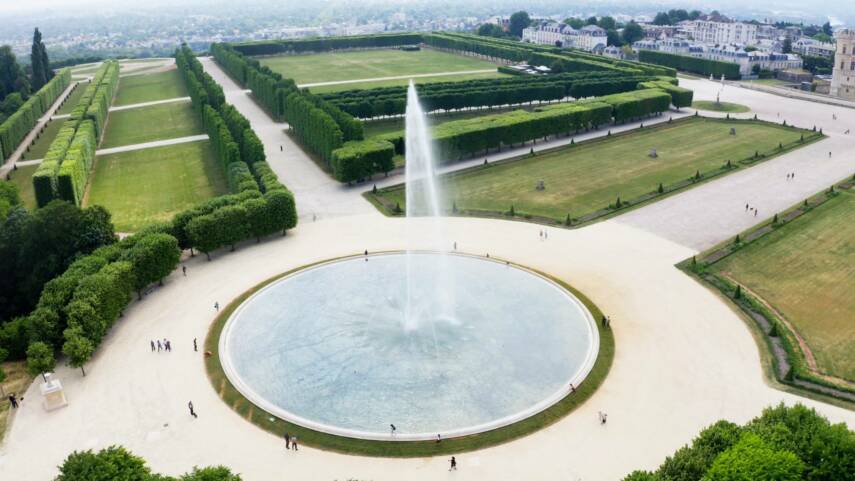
(20, 123)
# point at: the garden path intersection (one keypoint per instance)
(683, 359)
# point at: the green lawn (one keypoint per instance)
(392, 83)
(146, 124)
(720, 107)
(589, 176)
(148, 88)
(41, 145)
(367, 64)
(151, 185)
(385, 126)
(23, 178)
(806, 271)
(73, 99)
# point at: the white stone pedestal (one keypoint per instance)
(53, 396)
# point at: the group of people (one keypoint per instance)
(163, 346)
(543, 234)
(751, 209)
(791, 175)
(291, 442)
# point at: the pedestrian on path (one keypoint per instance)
(167, 345)
(217, 306)
(281, 149)
(159, 346)
(195, 347)
(192, 412)
(393, 428)
(755, 212)
(184, 270)
(453, 464)
(287, 441)
(13, 401)
(152, 346)
(294, 443)
(829, 154)
(746, 207)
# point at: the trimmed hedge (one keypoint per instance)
(325, 44)
(359, 160)
(20, 123)
(680, 97)
(74, 171)
(691, 64)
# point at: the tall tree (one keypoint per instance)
(788, 46)
(592, 20)
(826, 29)
(607, 23)
(519, 21)
(12, 78)
(37, 58)
(662, 18)
(575, 22)
(632, 32)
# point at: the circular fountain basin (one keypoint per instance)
(331, 348)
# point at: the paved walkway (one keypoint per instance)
(398, 77)
(684, 358)
(318, 193)
(128, 148)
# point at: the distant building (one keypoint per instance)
(764, 60)
(590, 37)
(652, 31)
(614, 52)
(720, 33)
(843, 76)
(812, 47)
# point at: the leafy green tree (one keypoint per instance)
(662, 18)
(43, 324)
(613, 38)
(490, 30)
(678, 15)
(110, 464)
(787, 46)
(823, 37)
(153, 257)
(695, 14)
(215, 473)
(79, 351)
(592, 20)
(751, 459)
(519, 21)
(607, 23)
(690, 463)
(632, 32)
(826, 29)
(3, 355)
(11, 103)
(643, 476)
(574, 22)
(40, 359)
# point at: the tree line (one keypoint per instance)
(696, 65)
(76, 142)
(22, 120)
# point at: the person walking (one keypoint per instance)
(13, 401)
(453, 464)
(605, 418)
(281, 149)
(184, 270)
(393, 429)
(152, 346)
(167, 345)
(195, 347)
(755, 212)
(159, 346)
(287, 441)
(192, 412)
(746, 207)
(217, 306)
(294, 443)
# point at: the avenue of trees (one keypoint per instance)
(782, 444)
(64, 172)
(696, 65)
(368, 103)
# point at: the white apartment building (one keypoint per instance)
(587, 38)
(728, 53)
(843, 76)
(720, 33)
(815, 48)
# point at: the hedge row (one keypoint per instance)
(680, 97)
(52, 180)
(696, 65)
(458, 139)
(325, 44)
(360, 160)
(20, 123)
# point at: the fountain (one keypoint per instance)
(431, 341)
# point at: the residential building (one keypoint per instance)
(720, 33)
(843, 75)
(764, 60)
(812, 47)
(590, 37)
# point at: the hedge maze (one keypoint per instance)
(65, 170)
(20, 123)
(327, 124)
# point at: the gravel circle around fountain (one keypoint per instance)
(335, 381)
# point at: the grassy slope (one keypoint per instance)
(151, 87)
(72, 99)
(17, 381)
(41, 145)
(22, 177)
(151, 185)
(392, 83)
(806, 270)
(330, 67)
(590, 175)
(146, 124)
